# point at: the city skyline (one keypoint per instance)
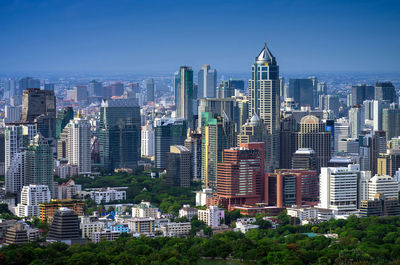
(159, 37)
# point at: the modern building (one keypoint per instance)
(389, 163)
(119, 133)
(16, 234)
(357, 120)
(95, 88)
(144, 226)
(239, 176)
(27, 83)
(90, 225)
(150, 90)
(31, 197)
(188, 212)
(65, 226)
(339, 188)
(62, 119)
(81, 94)
(361, 92)
(178, 167)
(302, 90)
(12, 114)
(385, 91)
(107, 195)
(78, 143)
(207, 82)
(39, 107)
(173, 229)
(264, 100)
(105, 234)
(145, 210)
(39, 163)
(147, 141)
(168, 132)
(49, 209)
(184, 94)
(385, 185)
(329, 102)
(212, 216)
(304, 158)
(391, 121)
(193, 144)
(380, 206)
(217, 135)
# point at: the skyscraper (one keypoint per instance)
(391, 121)
(168, 132)
(63, 118)
(119, 133)
(147, 141)
(81, 94)
(357, 120)
(302, 90)
(184, 93)
(265, 102)
(78, 141)
(27, 83)
(39, 163)
(150, 90)
(385, 91)
(207, 80)
(95, 88)
(193, 143)
(39, 107)
(217, 135)
(178, 167)
(361, 92)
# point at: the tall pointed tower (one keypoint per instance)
(264, 101)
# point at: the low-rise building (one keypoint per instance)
(142, 225)
(47, 210)
(188, 212)
(89, 225)
(212, 216)
(144, 210)
(202, 195)
(107, 195)
(176, 229)
(244, 225)
(105, 234)
(308, 214)
(380, 206)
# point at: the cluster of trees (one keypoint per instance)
(141, 187)
(360, 241)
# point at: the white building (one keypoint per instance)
(105, 234)
(16, 138)
(207, 82)
(188, 212)
(147, 140)
(357, 120)
(342, 130)
(348, 145)
(79, 151)
(88, 226)
(384, 185)
(309, 214)
(144, 210)
(339, 188)
(176, 229)
(211, 216)
(31, 197)
(202, 195)
(244, 225)
(107, 195)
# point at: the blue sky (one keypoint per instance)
(159, 36)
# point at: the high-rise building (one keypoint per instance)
(119, 135)
(184, 94)
(312, 134)
(178, 167)
(39, 163)
(95, 88)
(147, 141)
(10, 87)
(150, 90)
(339, 188)
(78, 141)
(239, 176)
(264, 101)
(378, 147)
(361, 92)
(27, 83)
(342, 131)
(193, 143)
(207, 80)
(391, 121)
(31, 197)
(302, 91)
(304, 158)
(243, 107)
(357, 120)
(12, 114)
(168, 132)
(217, 135)
(48, 86)
(287, 145)
(377, 107)
(219, 106)
(385, 91)
(389, 163)
(329, 102)
(81, 94)
(385, 185)
(17, 138)
(63, 117)
(39, 107)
